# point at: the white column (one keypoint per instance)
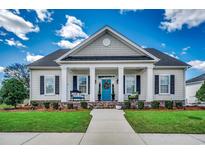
(120, 84)
(63, 84)
(149, 96)
(92, 84)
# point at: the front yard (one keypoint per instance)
(77, 121)
(166, 121)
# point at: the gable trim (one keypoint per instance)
(101, 32)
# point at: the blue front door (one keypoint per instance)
(106, 90)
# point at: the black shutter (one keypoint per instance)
(156, 84)
(41, 85)
(88, 84)
(138, 84)
(124, 84)
(56, 84)
(172, 84)
(75, 83)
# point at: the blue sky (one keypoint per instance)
(26, 35)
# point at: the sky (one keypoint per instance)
(27, 35)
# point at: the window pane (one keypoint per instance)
(82, 84)
(49, 85)
(164, 88)
(130, 84)
(164, 80)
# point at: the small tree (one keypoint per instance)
(200, 94)
(13, 91)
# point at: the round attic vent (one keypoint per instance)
(106, 42)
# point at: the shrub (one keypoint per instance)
(155, 104)
(140, 105)
(46, 105)
(55, 105)
(169, 104)
(127, 104)
(34, 103)
(179, 104)
(84, 104)
(70, 106)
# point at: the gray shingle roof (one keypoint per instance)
(165, 60)
(49, 60)
(197, 79)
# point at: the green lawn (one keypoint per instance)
(166, 121)
(44, 121)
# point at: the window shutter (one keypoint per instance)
(88, 84)
(41, 85)
(75, 83)
(138, 84)
(156, 84)
(172, 84)
(57, 84)
(124, 84)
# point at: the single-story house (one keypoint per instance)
(107, 66)
(192, 86)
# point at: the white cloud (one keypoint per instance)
(72, 29)
(67, 44)
(124, 11)
(12, 42)
(186, 48)
(16, 24)
(173, 54)
(143, 46)
(183, 53)
(1, 69)
(44, 15)
(176, 19)
(163, 45)
(197, 64)
(32, 57)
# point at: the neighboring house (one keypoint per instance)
(107, 63)
(192, 86)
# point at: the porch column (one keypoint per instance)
(120, 84)
(63, 84)
(92, 84)
(149, 96)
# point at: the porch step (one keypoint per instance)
(103, 105)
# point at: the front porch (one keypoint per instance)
(106, 82)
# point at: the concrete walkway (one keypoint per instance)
(109, 126)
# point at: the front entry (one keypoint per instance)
(106, 90)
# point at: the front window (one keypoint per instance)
(164, 84)
(49, 84)
(82, 84)
(130, 84)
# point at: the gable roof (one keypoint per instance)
(100, 33)
(166, 60)
(49, 60)
(197, 79)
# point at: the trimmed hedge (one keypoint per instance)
(84, 104)
(155, 104)
(140, 105)
(55, 105)
(179, 104)
(46, 105)
(169, 104)
(127, 104)
(70, 106)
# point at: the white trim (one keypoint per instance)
(47, 76)
(99, 33)
(130, 75)
(43, 67)
(172, 67)
(86, 76)
(160, 75)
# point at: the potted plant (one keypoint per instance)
(133, 99)
(113, 92)
(118, 106)
(99, 92)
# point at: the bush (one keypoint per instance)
(46, 105)
(169, 104)
(140, 105)
(70, 106)
(34, 103)
(127, 104)
(155, 104)
(179, 104)
(55, 105)
(84, 104)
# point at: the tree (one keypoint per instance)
(200, 94)
(13, 91)
(19, 72)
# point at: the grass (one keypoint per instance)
(3, 106)
(167, 121)
(44, 121)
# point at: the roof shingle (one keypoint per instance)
(197, 79)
